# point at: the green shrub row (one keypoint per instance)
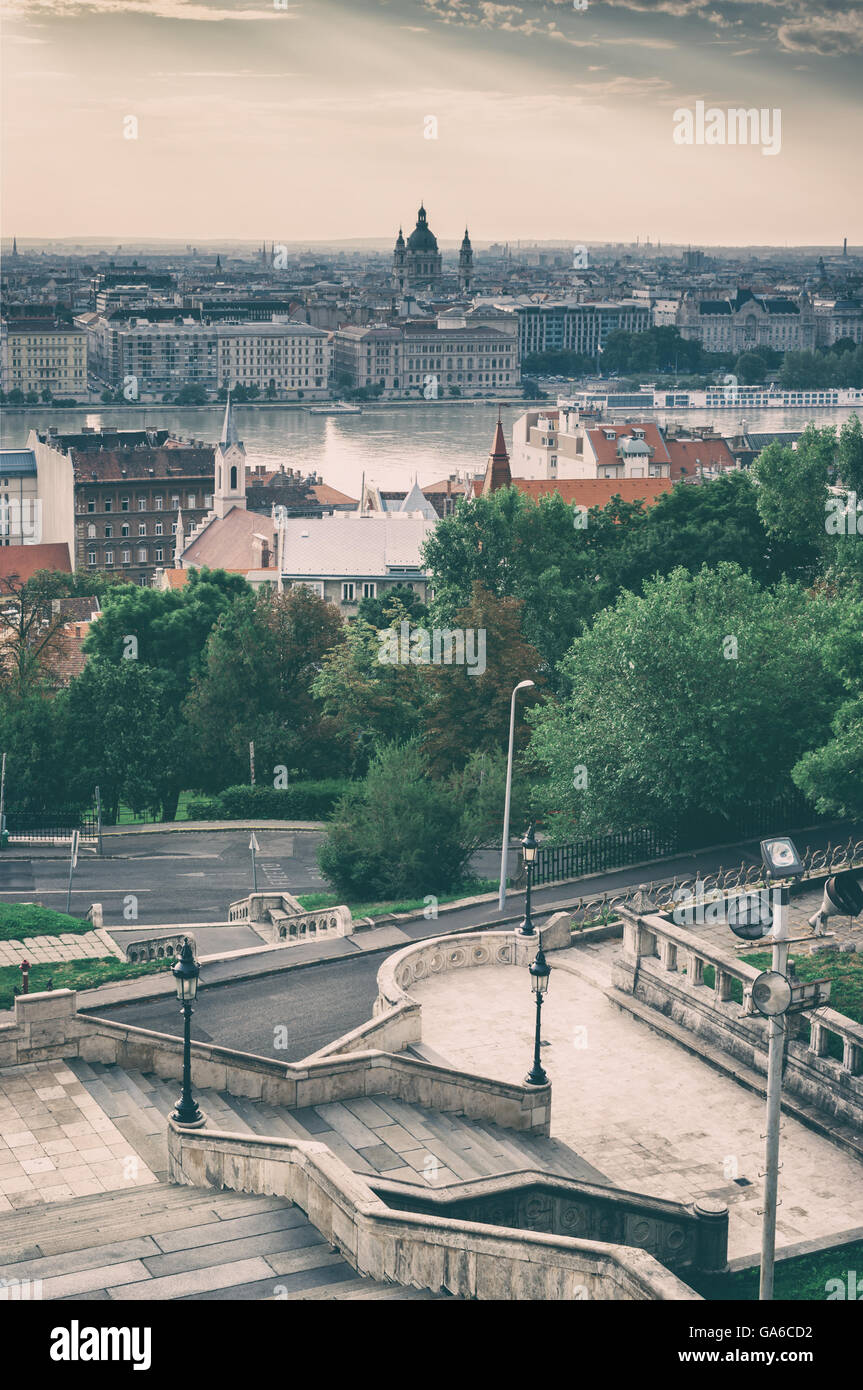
(301, 801)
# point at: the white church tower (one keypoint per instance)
(230, 473)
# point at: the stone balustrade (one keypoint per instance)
(665, 966)
(278, 917)
(465, 1258)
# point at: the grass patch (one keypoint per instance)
(472, 889)
(844, 969)
(75, 974)
(18, 920)
(803, 1279)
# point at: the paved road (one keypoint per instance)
(320, 1002)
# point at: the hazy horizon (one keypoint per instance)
(306, 123)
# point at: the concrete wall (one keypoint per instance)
(424, 1251)
(48, 1026)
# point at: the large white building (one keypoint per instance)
(284, 359)
(559, 443)
(431, 359)
(747, 322)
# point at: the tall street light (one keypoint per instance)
(186, 972)
(781, 861)
(539, 973)
(522, 685)
(529, 846)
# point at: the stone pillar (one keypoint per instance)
(711, 1236)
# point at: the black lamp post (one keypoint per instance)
(539, 973)
(186, 972)
(529, 846)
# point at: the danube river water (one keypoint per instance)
(390, 444)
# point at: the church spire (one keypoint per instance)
(229, 427)
(497, 470)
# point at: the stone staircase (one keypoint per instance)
(169, 1242)
(379, 1136)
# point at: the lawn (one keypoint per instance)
(74, 974)
(18, 920)
(473, 889)
(803, 1279)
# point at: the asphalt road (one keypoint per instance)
(318, 1003)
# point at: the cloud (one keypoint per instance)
(827, 34)
(190, 10)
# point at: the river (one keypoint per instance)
(390, 444)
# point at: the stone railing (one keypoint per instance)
(664, 966)
(467, 1259)
(444, 953)
(48, 1026)
(278, 917)
(158, 948)
(662, 895)
(680, 1237)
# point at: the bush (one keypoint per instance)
(399, 833)
(300, 801)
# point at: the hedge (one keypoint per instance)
(300, 801)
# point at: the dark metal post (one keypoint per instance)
(186, 1111)
(527, 927)
(536, 1076)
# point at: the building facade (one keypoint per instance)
(39, 356)
(418, 261)
(430, 359)
(578, 327)
(747, 322)
(281, 359)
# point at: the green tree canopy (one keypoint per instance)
(692, 699)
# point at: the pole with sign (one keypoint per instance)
(254, 847)
(73, 860)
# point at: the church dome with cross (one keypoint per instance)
(417, 261)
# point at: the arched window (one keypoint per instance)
(233, 477)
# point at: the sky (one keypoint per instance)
(304, 120)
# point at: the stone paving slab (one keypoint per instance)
(653, 1117)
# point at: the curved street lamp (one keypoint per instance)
(186, 972)
(539, 973)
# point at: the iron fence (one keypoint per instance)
(57, 824)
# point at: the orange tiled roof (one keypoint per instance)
(591, 492)
(23, 561)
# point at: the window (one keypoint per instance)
(127, 557)
(124, 504)
(91, 557)
(142, 556)
(108, 504)
(109, 531)
(158, 528)
(91, 532)
(370, 591)
(124, 529)
(175, 501)
(142, 504)
(158, 503)
(160, 555)
(109, 557)
(348, 592)
(91, 506)
(142, 528)
(190, 500)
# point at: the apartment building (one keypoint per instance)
(559, 443)
(38, 355)
(125, 490)
(282, 359)
(434, 359)
(574, 326)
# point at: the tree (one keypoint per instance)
(399, 833)
(255, 685)
(369, 701)
(831, 775)
(192, 394)
(750, 367)
(469, 705)
(792, 491)
(850, 456)
(124, 735)
(401, 599)
(33, 639)
(700, 695)
(564, 564)
(33, 735)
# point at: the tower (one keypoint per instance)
(465, 264)
(497, 470)
(399, 271)
(230, 467)
(180, 541)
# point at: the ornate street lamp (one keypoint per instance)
(529, 847)
(539, 973)
(186, 972)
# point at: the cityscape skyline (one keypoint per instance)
(238, 120)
